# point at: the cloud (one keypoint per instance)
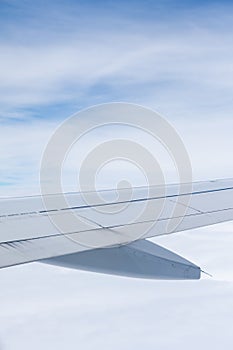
(83, 60)
(59, 58)
(50, 307)
(22, 144)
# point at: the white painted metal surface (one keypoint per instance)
(30, 231)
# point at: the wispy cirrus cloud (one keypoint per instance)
(57, 59)
(175, 56)
(81, 54)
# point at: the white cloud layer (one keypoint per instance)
(48, 307)
(180, 64)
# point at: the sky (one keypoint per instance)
(58, 57)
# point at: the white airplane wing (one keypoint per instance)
(75, 232)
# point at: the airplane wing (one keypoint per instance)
(74, 229)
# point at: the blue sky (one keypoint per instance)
(57, 57)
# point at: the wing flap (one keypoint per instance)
(29, 250)
(141, 259)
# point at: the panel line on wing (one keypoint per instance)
(112, 227)
(187, 206)
(135, 200)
